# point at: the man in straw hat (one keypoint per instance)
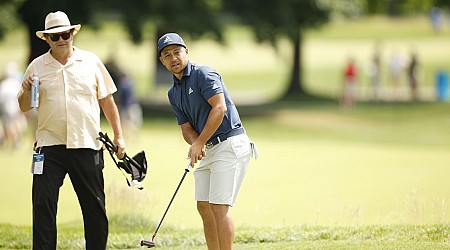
(74, 85)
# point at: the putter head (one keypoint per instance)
(147, 243)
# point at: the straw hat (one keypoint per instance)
(57, 22)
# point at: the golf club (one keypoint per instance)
(151, 243)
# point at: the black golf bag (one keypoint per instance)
(135, 166)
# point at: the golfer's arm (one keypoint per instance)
(213, 122)
(215, 117)
(189, 133)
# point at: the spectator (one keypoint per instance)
(349, 91)
(436, 18)
(129, 109)
(413, 76)
(13, 121)
(396, 71)
(374, 73)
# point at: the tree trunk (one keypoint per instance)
(296, 88)
(37, 46)
(33, 15)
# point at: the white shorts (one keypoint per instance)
(219, 176)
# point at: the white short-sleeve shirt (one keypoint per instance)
(69, 112)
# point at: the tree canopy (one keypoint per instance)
(269, 20)
(275, 19)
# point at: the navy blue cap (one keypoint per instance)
(169, 39)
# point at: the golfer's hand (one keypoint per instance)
(120, 143)
(196, 152)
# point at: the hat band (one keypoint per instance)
(57, 26)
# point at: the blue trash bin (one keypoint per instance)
(442, 86)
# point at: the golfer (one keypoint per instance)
(210, 123)
(74, 85)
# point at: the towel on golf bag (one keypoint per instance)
(138, 171)
(135, 166)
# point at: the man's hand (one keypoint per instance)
(26, 83)
(196, 152)
(120, 143)
(24, 95)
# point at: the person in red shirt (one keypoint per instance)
(349, 92)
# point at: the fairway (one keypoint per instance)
(318, 166)
(382, 164)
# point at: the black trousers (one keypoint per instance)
(85, 169)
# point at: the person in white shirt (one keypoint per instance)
(13, 121)
(74, 86)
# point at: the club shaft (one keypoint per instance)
(108, 141)
(170, 203)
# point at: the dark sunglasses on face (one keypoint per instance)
(55, 37)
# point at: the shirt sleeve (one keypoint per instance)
(105, 83)
(211, 82)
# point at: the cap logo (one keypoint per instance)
(167, 39)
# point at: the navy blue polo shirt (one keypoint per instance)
(189, 99)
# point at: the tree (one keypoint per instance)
(180, 15)
(270, 21)
(195, 18)
(273, 19)
(401, 7)
(8, 8)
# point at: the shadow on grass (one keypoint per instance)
(304, 101)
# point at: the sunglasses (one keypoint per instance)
(55, 37)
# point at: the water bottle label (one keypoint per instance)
(34, 102)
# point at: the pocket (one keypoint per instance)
(240, 145)
(98, 159)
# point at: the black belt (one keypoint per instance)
(223, 137)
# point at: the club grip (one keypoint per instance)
(107, 141)
(188, 167)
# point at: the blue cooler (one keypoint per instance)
(442, 86)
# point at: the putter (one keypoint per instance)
(151, 243)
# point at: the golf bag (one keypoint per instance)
(135, 166)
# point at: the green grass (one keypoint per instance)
(126, 233)
(379, 165)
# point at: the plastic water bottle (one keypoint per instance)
(34, 100)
